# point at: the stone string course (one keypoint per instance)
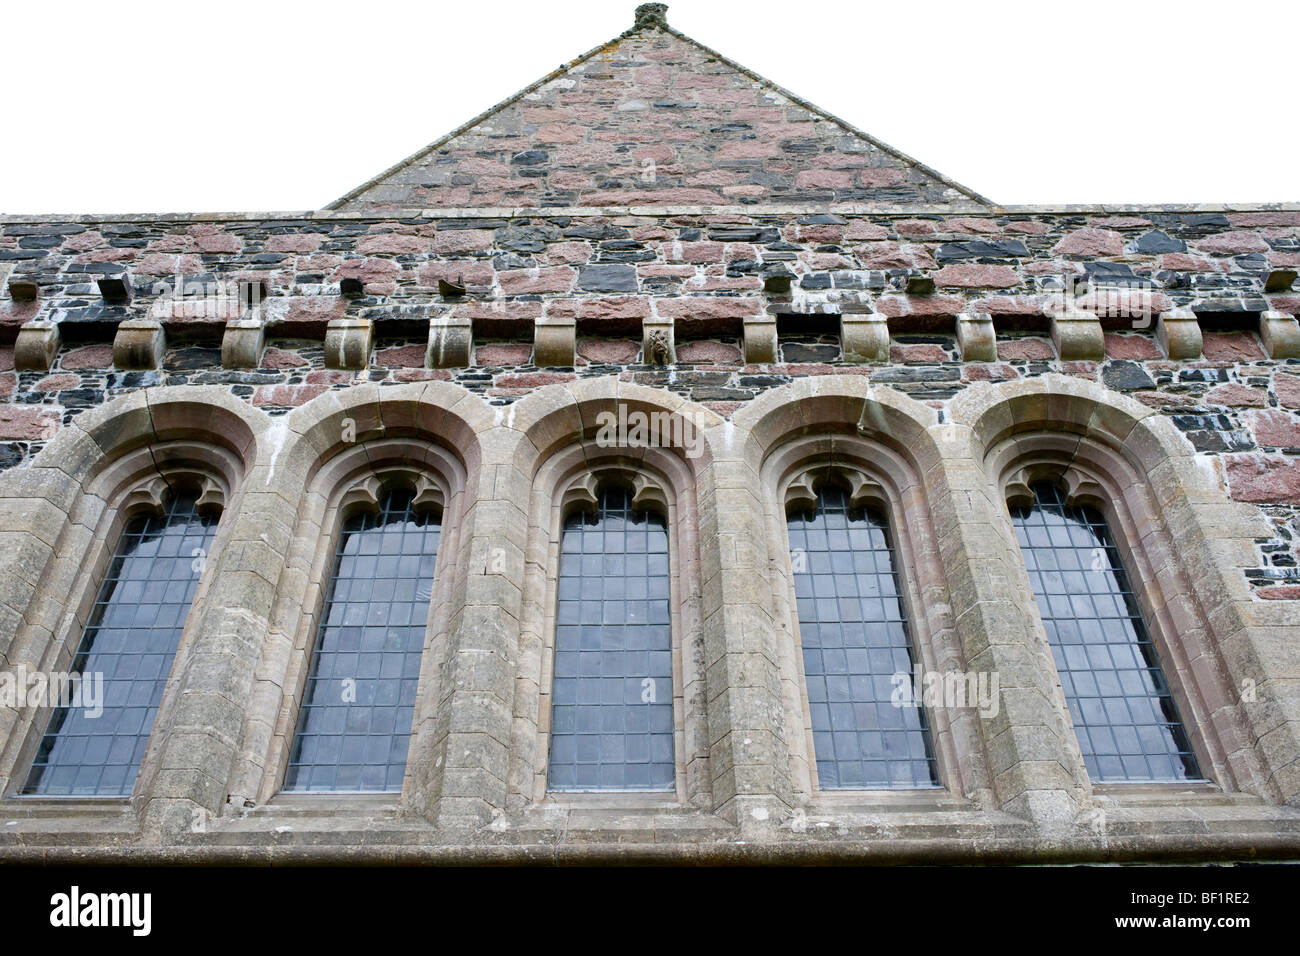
(704, 275)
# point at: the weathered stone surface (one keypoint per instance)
(139, 344)
(976, 338)
(971, 276)
(1287, 387)
(760, 339)
(708, 352)
(282, 359)
(1090, 242)
(1263, 478)
(1275, 428)
(554, 342)
(1133, 347)
(36, 346)
(348, 343)
(1078, 335)
(924, 354)
(1280, 334)
(289, 395)
(865, 337)
(611, 351)
(91, 356)
(242, 343)
(1231, 244)
(451, 342)
(1286, 592)
(1025, 350)
(1231, 347)
(518, 354)
(1179, 334)
(407, 356)
(55, 383)
(1235, 395)
(28, 423)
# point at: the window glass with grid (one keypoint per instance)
(854, 636)
(612, 712)
(1124, 716)
(354, 725)
(94, 747)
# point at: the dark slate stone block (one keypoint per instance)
(1212, 441)
(134, 379)
(721, 395)
(94, 268)
(909, 373)
(191, 359)
(598, 232)
(1116, 274)
(526, 238)
(530, 157)
(56, 229)
(1126, 376)
(743, 234)
(234, 377)
(981, 249)
(1156, 242)
(81, 397)
(1208, 422)
(607, 278)
(792, 352)
(472, 223)
(628, 255)
(503, 262)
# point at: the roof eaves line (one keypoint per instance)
(752, 211)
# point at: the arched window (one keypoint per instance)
(612, 711)
(1124, 715)
(855, 643)
(354, 726)
(95, 742)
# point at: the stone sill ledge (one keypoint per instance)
(784, 209)
(887, 850)
(375, 825)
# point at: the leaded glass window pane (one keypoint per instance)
(1124, 715)
(854, 634)
(354, 725)
(135, 627)
(612, 715)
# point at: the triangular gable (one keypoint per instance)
(654, 118)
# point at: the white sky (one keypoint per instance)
(270, 105)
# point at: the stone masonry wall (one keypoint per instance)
(706, 273)
(653, 118)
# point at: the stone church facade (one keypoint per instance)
(577, 490)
